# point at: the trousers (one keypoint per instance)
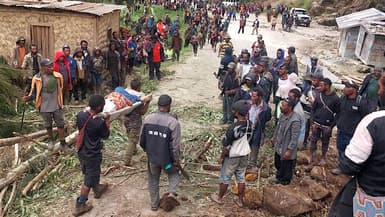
(154, 172)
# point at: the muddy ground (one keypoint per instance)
(195, 100)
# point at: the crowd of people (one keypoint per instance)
(305, 112)
(250, 84)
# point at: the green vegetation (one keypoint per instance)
(306, 4)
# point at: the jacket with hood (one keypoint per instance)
(56, 68)
(226, 59)
(276, 63)
(243, 92)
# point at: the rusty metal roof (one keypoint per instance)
(356, 18)
(97, 9)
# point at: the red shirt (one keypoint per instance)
(156, 53)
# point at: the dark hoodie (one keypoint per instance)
(276, 63)
(66, 75)
(226, 59)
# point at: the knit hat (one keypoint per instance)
(164, 100)
(241, 106)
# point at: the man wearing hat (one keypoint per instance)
(370, 86)
(225, 44)
(19, 53)
(285, 141)
(352, 109)
(314, 68)
(160, 139)
(46, 88)
(229, 88)
(233, 162)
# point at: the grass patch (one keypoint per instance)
(306, 4)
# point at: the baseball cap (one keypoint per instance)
(350, 83)
(46, 62)
(291, 103)
(241, 106)
(164, 100)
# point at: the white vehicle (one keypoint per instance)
(301, 17)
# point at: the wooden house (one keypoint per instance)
(350, 28)
(370, 47)
(52, 24)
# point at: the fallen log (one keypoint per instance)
(20, 169)
(2, 194)
(37, 178)
(16, 161)
(212, 167)
(205, 148)
(12, 140)
(31, 140)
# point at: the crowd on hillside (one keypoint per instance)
(250, 83)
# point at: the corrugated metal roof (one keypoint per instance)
(356, 18)
(97, 9)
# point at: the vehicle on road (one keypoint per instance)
(301, 16)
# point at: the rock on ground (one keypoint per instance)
(315, 190)
(286, 201)
(253, 198)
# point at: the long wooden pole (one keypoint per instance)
(20, 169)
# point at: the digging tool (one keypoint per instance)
(184, 173)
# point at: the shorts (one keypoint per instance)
(91, 169)
(56, 116)
(236, 166)
(96, 78)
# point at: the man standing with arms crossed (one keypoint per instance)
(160, 139)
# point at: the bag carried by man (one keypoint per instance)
(241, 146)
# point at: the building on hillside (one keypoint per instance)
(350, 28)
(370, 47)
(51, 24)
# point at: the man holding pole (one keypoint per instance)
(46, 88)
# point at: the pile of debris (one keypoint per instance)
(328, 10)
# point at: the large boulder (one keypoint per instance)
(318, 173)
(316, 9)
(286, 201)
(253, 198)
(315, 190)
(327, 20)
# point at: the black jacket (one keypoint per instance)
(95, 131)
(325, 108)
(351, 113)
